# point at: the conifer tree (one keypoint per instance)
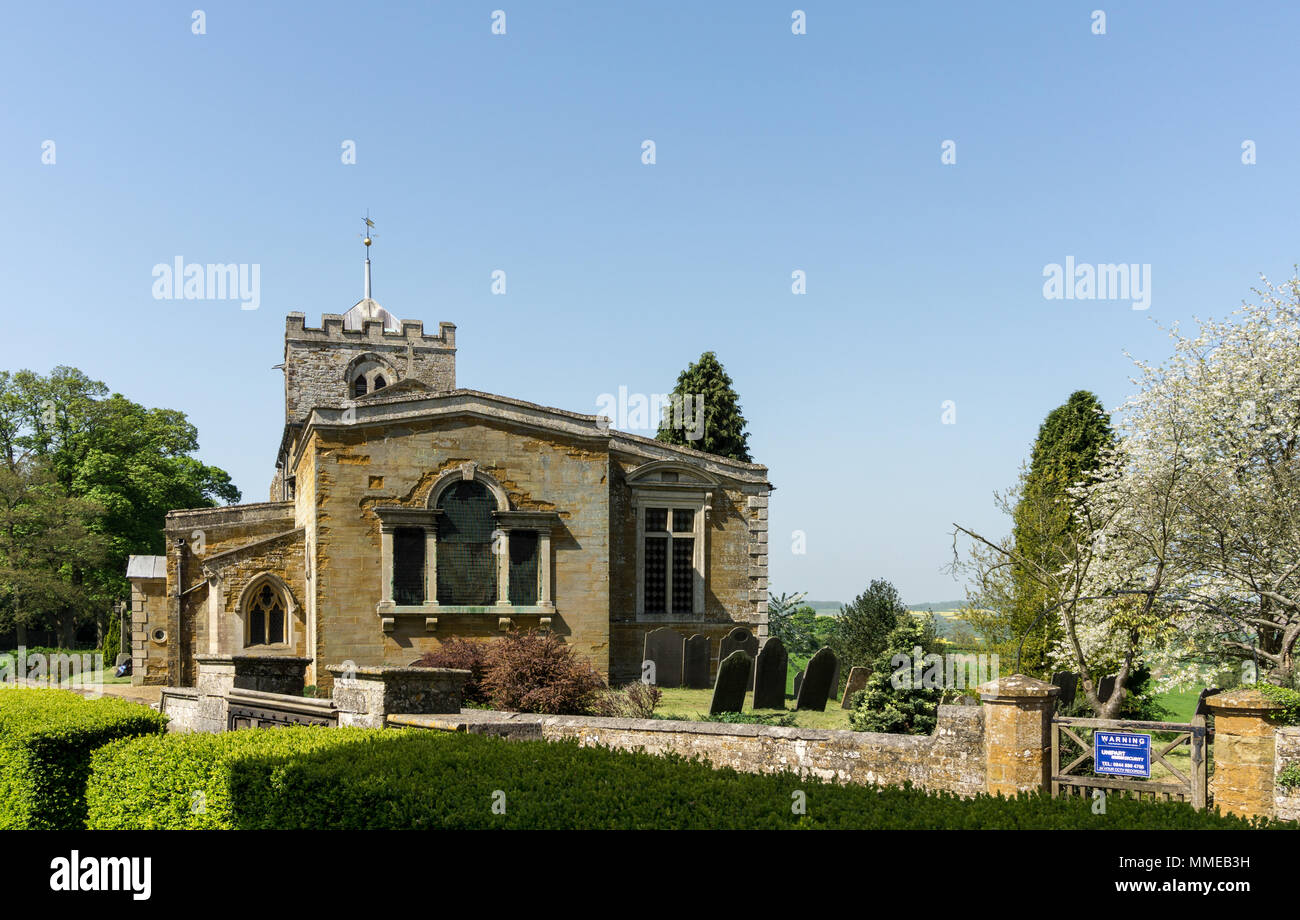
(705, 412)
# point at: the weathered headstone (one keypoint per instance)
(696, 663)
(857, 680)
(1201, 708)
(744, 640)
(770, 671)
(663, 646)
(798, 682)
(1069, 684)
(1107, 687)
(835, 682)
(733, 679)
(816, 686)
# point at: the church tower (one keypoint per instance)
(361, 353)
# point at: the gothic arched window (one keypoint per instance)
(267, 614)
(359, 387)
(467, 568)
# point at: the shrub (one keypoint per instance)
(46, 741)
(882, 707)
(536, 672)
(321, 778)
(1287, 698)
(467, 655)
(634, 701)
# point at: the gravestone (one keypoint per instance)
(816, 686)
(696, 662)
(663, 646)
(733, 679)
(1201, 708)
(835, 682)
(744, 640)
(798, 682)
(770, 671)
(1069, 684)
(1107, 687)
(857, 681)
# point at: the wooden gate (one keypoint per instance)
(1186, 783)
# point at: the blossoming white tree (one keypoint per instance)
(1187, 549)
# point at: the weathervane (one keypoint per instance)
(366, 238)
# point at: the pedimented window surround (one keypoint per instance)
(505, 520)
(666, 486)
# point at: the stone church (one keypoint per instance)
(405, 510)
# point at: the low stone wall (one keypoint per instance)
(1286, 804)
(950, 760)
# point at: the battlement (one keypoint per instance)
(330, 366)
(331, 330)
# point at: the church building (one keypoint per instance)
(405, 510)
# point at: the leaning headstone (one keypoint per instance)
(798, 682)
(696, 663)
(857, 681)
(1107, 687)
(733, 679)
(744, 640)
(1201, 708)
(770, 671)
(1069, 684)
(663, 646)
(816, 686)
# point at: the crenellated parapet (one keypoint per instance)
(322, 363)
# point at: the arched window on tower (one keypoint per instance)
(359, 387)
(380, 382)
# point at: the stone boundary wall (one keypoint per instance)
(950, 760)
(1286, 805)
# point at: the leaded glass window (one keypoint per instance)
(467, 574)
(668, 559)
(523, 568)
(266, 617)
(408, 566)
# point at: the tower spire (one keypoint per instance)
(367, 240)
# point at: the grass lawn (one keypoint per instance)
(693, 706)
(1180, 703)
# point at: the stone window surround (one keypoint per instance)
(392, 517)
(369, 365)
(255, 584)
(693, 495)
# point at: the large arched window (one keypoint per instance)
(266, 616)
(467, 567)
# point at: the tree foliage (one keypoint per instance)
(1069, 446)
(100, 473)
(863, 626)
(705, 387)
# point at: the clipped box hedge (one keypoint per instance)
(46, 741)
(374, 778)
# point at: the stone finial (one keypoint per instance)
(1017, 686)
(1243, 701)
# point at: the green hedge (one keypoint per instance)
(46, 740)
(372, 778)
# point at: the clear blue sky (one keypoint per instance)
(775, 152)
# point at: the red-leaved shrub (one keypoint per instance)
(536, 672)
(467, 655)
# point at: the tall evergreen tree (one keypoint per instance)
(710, 418)
(1068, 448)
